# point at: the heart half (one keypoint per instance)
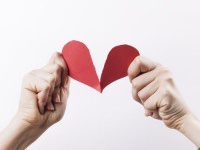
(81, 67)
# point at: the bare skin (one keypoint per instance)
(45, 92)
(154, 88)
(43, 101)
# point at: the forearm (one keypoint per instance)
(191, 129)
(18, 135)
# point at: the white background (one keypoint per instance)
(165, 31)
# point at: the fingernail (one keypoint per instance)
(50, 107)
(58, 98)
(42, 108)
(42, 111)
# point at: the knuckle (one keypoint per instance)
(141, 96)
(169, 78)
(27, 77)
(33, 72)
(51, 79)
(134, 95)
(43, 100)
(164, 74)
(165, 91)
(57, 68)
(135, 85)
(59, 117)
(47, 86)
(56, 54)
(162, 71)
(137, 60)
(146, 105)
(129, 71)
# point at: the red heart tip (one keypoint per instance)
(98, 88)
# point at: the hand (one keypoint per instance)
(43, 101)
(44, 93)
(154, 88)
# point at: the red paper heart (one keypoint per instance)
(81, 67)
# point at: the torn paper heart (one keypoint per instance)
(81, 67)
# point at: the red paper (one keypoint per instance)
(81, 67)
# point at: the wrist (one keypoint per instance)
(18, 135)
(190, 127)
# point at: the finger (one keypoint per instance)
(58, 59)
(145, 93)
(52, 79)
(56, 95)
(148, 112)
(153, 104)
(148, 90)
(141, 81)
(140, 65)
(55, 70)
(37, 86)
(153, 113)
(67, 83)
(64, 93)
(65, 80)
(49, 105)
(45, 75)
(135, 95)
(61, 106)
(42, 100)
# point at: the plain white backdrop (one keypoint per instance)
(165, 31)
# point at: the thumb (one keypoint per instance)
(139, 66)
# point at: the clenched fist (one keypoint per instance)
(154, 88)
(44, 93)
(43, 101)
